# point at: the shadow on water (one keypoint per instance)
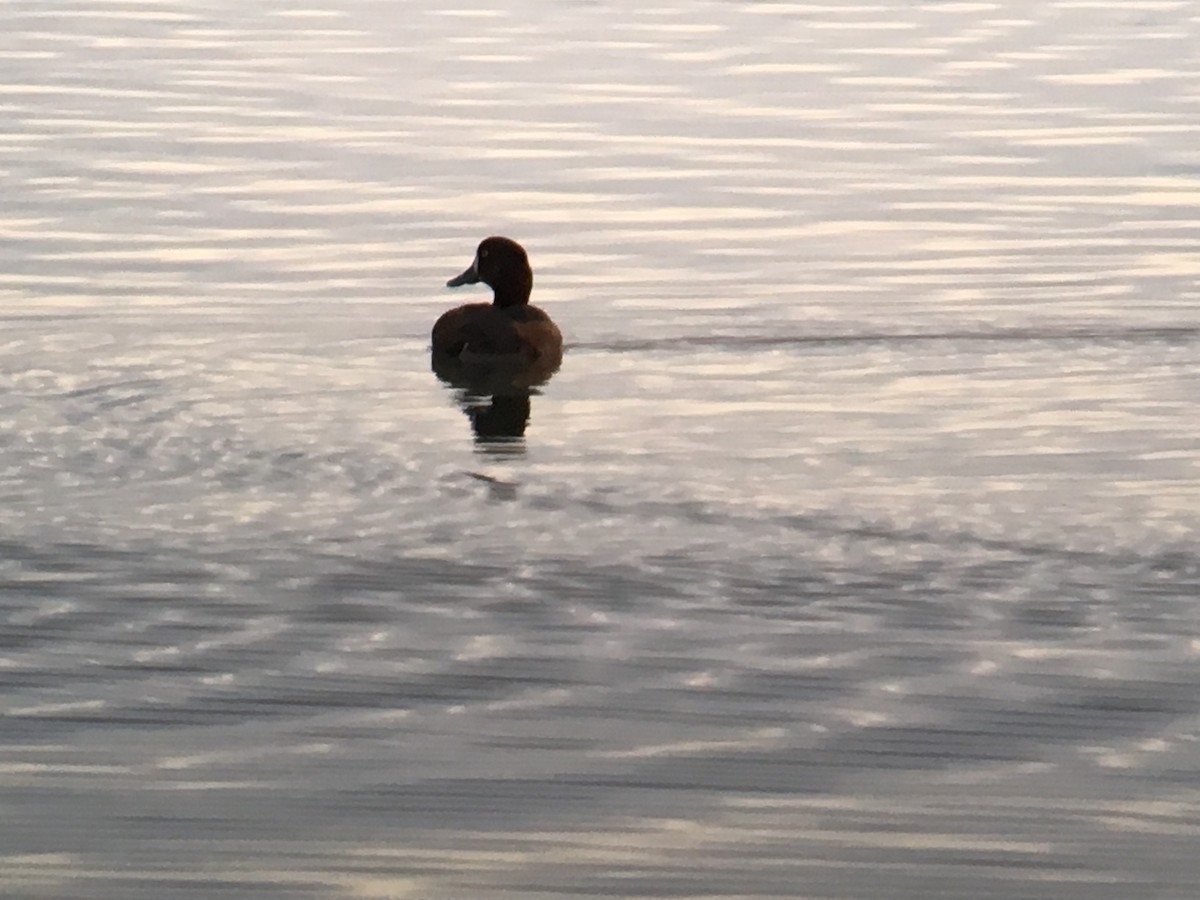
(495, 396)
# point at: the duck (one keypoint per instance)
(508, 331)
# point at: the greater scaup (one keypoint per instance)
(507, 331)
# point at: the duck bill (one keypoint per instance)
(471, 276)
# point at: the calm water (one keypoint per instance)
(851, 553)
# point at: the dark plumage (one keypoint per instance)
(507, 330)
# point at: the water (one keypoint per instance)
(851, 553)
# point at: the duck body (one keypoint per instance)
(509, 330)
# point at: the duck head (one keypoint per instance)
(501, 264)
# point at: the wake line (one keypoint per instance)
(1170, 334)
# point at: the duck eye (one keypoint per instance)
(482, 254)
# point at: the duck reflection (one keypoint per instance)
(497, 399)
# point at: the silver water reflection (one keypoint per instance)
(851, 553)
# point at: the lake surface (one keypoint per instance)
(852, 552)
